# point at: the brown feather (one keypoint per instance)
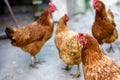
(32, 37)
(67, 43)
(97, 66)
(104, 28)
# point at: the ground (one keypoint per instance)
(14, 63)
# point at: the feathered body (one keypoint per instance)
(32, 37)
(104, 27)
(67, 43)
(69, 48)
(96, 65)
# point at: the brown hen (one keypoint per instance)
(96, 65)
(67, 44)
(32, 37)
(104, 27)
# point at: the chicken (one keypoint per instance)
(68, 46)
(32, 37)
(104, 27)
(96, 65)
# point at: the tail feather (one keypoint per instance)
(110, 13)
(8, 32)
(111, 16)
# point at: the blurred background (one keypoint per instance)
(26, 11)
(81, 13)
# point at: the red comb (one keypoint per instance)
(94, 1)
(80, 34)
(66, 15)
(51, 4)
(81, 38)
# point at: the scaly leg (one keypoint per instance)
(78, 72)
(32, 61)
(110, 48)
(36, 60)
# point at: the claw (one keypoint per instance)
(33, 66)
(34, 61)
(76, 75)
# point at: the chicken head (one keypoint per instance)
(82, 39)
(52, 7)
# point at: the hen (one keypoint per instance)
(96, 65)
(32, 37)
(104, 27)
(67, 44)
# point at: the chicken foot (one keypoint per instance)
(67, 68)
(34, 61)
(77, 74)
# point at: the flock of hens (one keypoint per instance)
(73, 48)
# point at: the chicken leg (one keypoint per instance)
(77, 74)
(36, 60)
(32, 61)
(110, 48)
